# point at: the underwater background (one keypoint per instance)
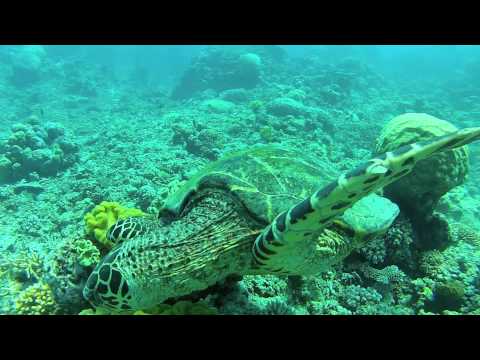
(93, 134)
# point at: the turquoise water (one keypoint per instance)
(92, 135)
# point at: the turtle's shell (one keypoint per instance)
(269, 180)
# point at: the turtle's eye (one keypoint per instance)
(106, 287)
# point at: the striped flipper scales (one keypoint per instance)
(277, 248)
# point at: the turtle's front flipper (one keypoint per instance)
(279, 247)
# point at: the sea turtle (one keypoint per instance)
(258, 211)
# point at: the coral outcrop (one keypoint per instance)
(220, 68)
(36, 150)
(420, 191)
(27, 65)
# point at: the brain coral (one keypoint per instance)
(431, 179)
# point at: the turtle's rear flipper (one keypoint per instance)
(279, 249)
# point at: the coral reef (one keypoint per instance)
(128, 136)
(24, 267)
(235, 95)
(220, 68)
(26, 65)
(285, 106)
(69, 270)
(354, 297)
(35, 150)
(448, 296)
(200, 141)
(218, 105)
(462, 232)
(421, 190)
(37, 299)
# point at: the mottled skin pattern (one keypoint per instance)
(217, 230)
(214, 237)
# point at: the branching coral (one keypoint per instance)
(278, 307)
(430, 263)
(37, 299)
(266, 134)
(353, 297)
(374, 251)
(264, 286)
(387, 281)
(24, 267)
(70, 268)
(461, 232)
(395, 247)
(103, 216)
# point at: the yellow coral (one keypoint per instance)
(37, 299)
(103, 216)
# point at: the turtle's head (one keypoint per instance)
(107, 287)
